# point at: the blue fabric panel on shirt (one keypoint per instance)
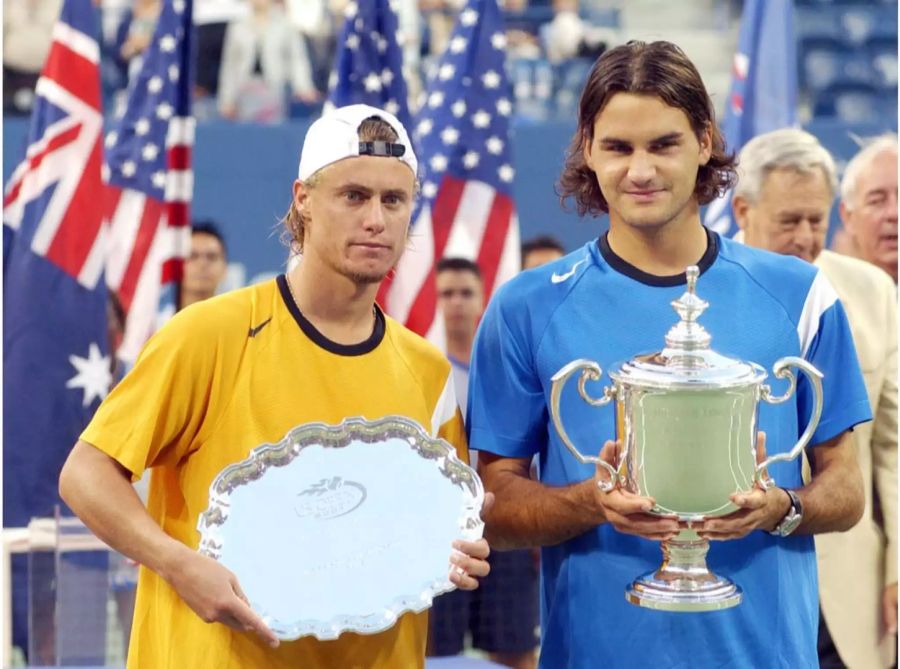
(580, 307)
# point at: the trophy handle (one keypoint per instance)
(590, 371)
(782, 370)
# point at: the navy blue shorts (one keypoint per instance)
(502, 614)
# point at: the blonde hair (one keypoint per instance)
(372, 129)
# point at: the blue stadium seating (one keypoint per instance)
(856, 103)
(851, 24)
(848, 58)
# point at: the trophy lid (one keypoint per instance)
(687, 360)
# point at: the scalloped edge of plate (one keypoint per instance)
(350, 430)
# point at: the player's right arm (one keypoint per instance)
(529, 513)
(99, 490)
(508, 424)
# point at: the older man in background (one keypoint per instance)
(782, 201)
(869, 204)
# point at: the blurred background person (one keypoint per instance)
(540, 250)
(27, 25)
(782, 202)
(211, 19)
(461, 301)
(869, 204)
(134, 34)
(316, 22)
(568, 35)
(205, 267)
(262, 56)
(502, 615)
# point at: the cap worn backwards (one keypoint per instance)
(335, 136)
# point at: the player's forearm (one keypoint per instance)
(100, 492)
(834, 500)
(528, 513)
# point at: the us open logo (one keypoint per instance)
(330, 498)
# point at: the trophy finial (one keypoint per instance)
(687, 334)
(692, 273)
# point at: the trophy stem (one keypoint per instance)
(683, 582)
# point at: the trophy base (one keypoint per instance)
(713, 593)
(684, 582)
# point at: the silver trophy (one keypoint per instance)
(686, 418)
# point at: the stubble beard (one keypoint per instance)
(367, 278)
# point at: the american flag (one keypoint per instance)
(369, 66)
(55, 351)
(148, 168)
(763, 94)
(463, 135)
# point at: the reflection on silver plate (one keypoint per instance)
(342, 528)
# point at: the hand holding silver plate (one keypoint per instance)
(314, 526)
(686, 419)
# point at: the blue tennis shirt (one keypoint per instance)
(592, 304)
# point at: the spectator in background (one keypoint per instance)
(569, 36)
(206, 266)
(135, 34)
(262, 56)
(782, 203)
(211, 19)
(540, 250)
(27, 30)
(409, 37)
(502, 615)
(461, 301)
(869, 203)
(521, 33)
(316, 22)
(439, 16)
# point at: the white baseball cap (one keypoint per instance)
(335, 136)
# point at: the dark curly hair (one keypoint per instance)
(660, 69)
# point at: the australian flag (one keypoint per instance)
(369, 66)
(56, 364)
(763, 93)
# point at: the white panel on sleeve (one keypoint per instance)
(819, 299)
(445, 408)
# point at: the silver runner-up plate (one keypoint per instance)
(342, 528)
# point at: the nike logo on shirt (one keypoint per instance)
(559, 278)
(255, 331)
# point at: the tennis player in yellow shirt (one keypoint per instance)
(242, 369)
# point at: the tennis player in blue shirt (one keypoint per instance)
(647, 152)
